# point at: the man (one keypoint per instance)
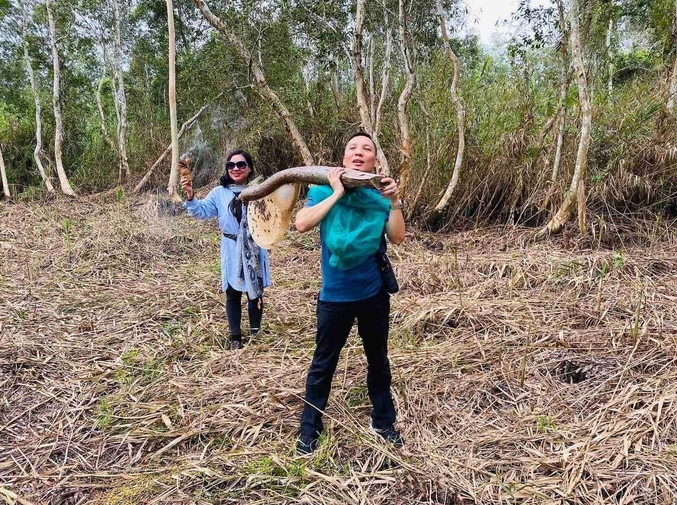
(351, 291)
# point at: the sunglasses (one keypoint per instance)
(239, 164)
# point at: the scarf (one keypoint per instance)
(354, 225)
(248, 259)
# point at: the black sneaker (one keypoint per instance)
(235, 345)
(306, 444)
(389, 434)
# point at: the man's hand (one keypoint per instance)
(334, 177)
(390, 189)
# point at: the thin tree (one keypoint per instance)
(576, 193)
(370, 117)
(460, 113)
(609, 54)
(174, 172)
(260, 79)
(3, 175)
(567, 70)
(120, 96)
(403, 102)
(36, 98)
(673, 78)
(102, 116)
(58, 129)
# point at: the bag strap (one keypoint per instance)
(383, 246)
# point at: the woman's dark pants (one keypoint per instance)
(234, 312)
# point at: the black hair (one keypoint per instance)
(363, 134)
(235, 205)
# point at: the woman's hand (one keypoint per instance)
(187, 187)
(389, 189)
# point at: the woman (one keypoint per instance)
(352, 288)
(244, 265)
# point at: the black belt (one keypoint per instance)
(230, 236)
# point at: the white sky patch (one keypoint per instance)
(485, 18)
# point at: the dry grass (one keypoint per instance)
(537, 373)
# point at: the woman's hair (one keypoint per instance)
(235, 205)
(226, 179)
(362, 134)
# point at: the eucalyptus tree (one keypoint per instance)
(58, 119)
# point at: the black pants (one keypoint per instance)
(234, 313)
(334, 322)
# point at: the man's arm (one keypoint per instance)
(309, 217)
(395, 223)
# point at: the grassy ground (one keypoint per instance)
(523, 372)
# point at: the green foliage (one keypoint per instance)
(304, 49)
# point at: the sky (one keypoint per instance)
(484, 14)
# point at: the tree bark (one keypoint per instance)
(120, 96)
(370, 116)
(567, 71)
(38, 112)
(412, 205)
(58, 129)
(261, 84)
(3, 175)
(609, 33)
(460, 114)
(576, 194)
(673, 78)
(172, 188)
(102, 116)
(403, 104)
(334, 84)
(360, 88)
(385, 78)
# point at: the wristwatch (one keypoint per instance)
(397, 206)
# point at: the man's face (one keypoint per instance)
(360, 154)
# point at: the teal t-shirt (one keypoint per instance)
(352, 284)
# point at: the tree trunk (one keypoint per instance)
(360, 88)
(38, 113)
(460, 114)
(567, 71)
(385, 78)
(673, 79)
(58, 129)
(576, 194)
(3, 175)
(261, 84)
(609, 55)
(311, 110)
(372, 84)
(369, 116)
(334, 84)
(120, 96)
(99, 106)
(412, 205)
(174, 172)
(403, 104)
(561, 120)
